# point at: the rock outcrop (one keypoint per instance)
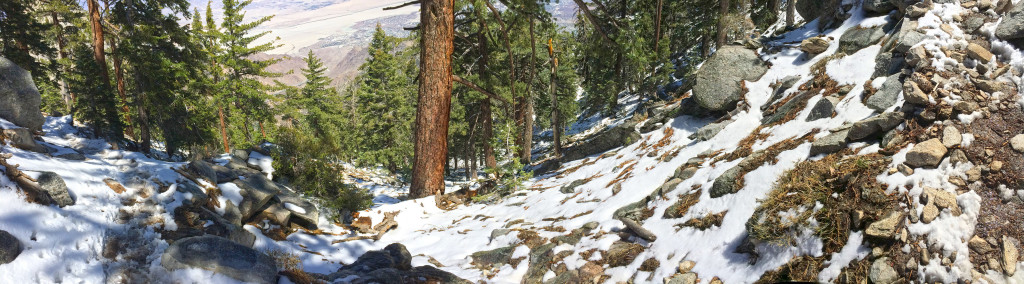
(719, 83)
(393, 264)
(222, 256)
(19, 98)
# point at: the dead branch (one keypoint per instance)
(402, 5)
(473, 86)
(33, 193)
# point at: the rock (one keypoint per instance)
(540, 258)
(811, 10)
(882, 273)
(958, 156)
(1009, 255)
(485, 260)
(686, 265)
(780, 90)
(979, 245)
(709, 131)
(973, 23)
(75, 156)
(831, 143)
(942, 199)
(875, 125)
(240, 154)
(10, 247)
(930, 213)
(792, 106)
(719, 82)
(886, 96)
(926, 154)
(204, 170)
(605, 140)
(22, 138)
(1011, 28)
(979, 53)
(19, 98)
(1017, 142)
(392, 256)
(571, 187)
(888, 63)
(891, 138)
(951, 137)
(276, 213)
(303, 212)
(726, 183)
(879, 6)
(221, 256)
(913, 94)
(858, 38)
(814, 45)
(917, 57)
(685, 278)
(622, 253)
(591, 272)
(917, 10)
(256, 191)
(199, 196)
(905, 37)
(823, 109)
(885, 228)
(55, 186)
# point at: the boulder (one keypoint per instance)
(709, 131)
(905, 37)
(607, 139)
(303, 212)
(1011, 28)
(885, 228)
(55, 186)
(780, 90)
(199, 196)
(726, 183)
(540, 258)
(834, 142)
(886, 96)
(240, 154)
(719, 83)
(22, 138)
(204, 170)
(256, 191)
(823, 109)
(220, 256)
(622, 253)
(891, 138)
(1017, 142)
(875, 125)
(858, 38)
(882, 273)
(394, 256)
(926, 154)
(486, 260)
(10, 247)
(811, 10)
(814, 45)
(879, 6)
(19, 98)
(571, 187)
(914, 95)
(276, 213)
(888, 63)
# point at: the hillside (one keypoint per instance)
(886, 147)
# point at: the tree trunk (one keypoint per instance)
(69, 98)
(486, 119)
(223, 128)
(723, 13)
(526, 144)
(97, 50)
(119, 77)
(594, 22)
(556, 124)
(790, 13)
(434, 100)
(657, 26)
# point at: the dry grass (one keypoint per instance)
(709, 220)
(681, 207)
(291, 267)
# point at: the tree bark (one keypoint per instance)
(97, 49)
(723, 12)
(434, 100)
(790, 13)
(486, 119)
(119, 77)
(526, 145)
(223, 128)
(657, 26)
(556, 124)
(61, 54)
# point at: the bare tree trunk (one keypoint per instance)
(223, 128)
(526, 144)
(119, 77)
(485, 116)
(97, 49)
(434, 101)
(790, 13)
(723, 14)
(61, 54)
(556, 124)
(657, 26)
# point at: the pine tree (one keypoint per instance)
(241, 89)
(437, 19)
(385, 107)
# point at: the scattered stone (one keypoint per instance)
(858, 38)
(913, 94)
(995, 166)
(256, 191)
(709, 131)
(951, 137)
(834, 142)
(1011, 28)
(19, 98)
(887, 95)
(204, 170)
(917, 10)
(571, 187)
(490, 259)
(930, 213)
(926, 154)
(882, 273)
(905, 170)
(22, 138)
(1009, 255)
(887, 64)
(879, 6)
(979, 53)
(719, 82)
(622, 253)
(54, 184)
(685, 278)
(979, 245)
(874, 125)
(906, 37)
(686, 265)
(823, 109)
(885, 228)
(892, 138)
(1017, 142)
(10, 247)
(221, 256)
(814, 45)
(605, 140)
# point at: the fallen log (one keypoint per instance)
(33, 193)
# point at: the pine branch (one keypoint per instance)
(473, 86)
(402, 5)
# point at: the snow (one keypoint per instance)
(229, 192)
(294, 208)
(264, 162)
(4, 124)
(853, 250)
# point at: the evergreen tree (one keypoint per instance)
(385, 106)
(241, 90)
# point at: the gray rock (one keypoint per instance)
(719, 81)
(199, 196)
(571, 187)
(224, 174)
(256, 191)
(19, 98)
(926, 154)
(888, 63)
(811, 10)
(306, 214)
(875, 125)
(10, 247)
(72, 156)
(709, 131)
(973, 23)
(823, 109)
(276, 213)
(951, 137)
(685, 278)
(22, 138)
(726, 183)
(831, 143)
(885, 228)
(622, 253)
(879, 6)
(1012, 26)
(892, 138)
(790, 107)
(55, 186)
(1017, 142)
(540, 257)
(914, 95)
(394, 256)
(221, 256)
(607, 139)
(882, 273)
(240, 154)
(886, 96)
(814, 45)
(857, 38)
(780, 90)
(904, 38)
(486, 260)
(204, 170)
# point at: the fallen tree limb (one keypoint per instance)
(638, 230)
(33, 193)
